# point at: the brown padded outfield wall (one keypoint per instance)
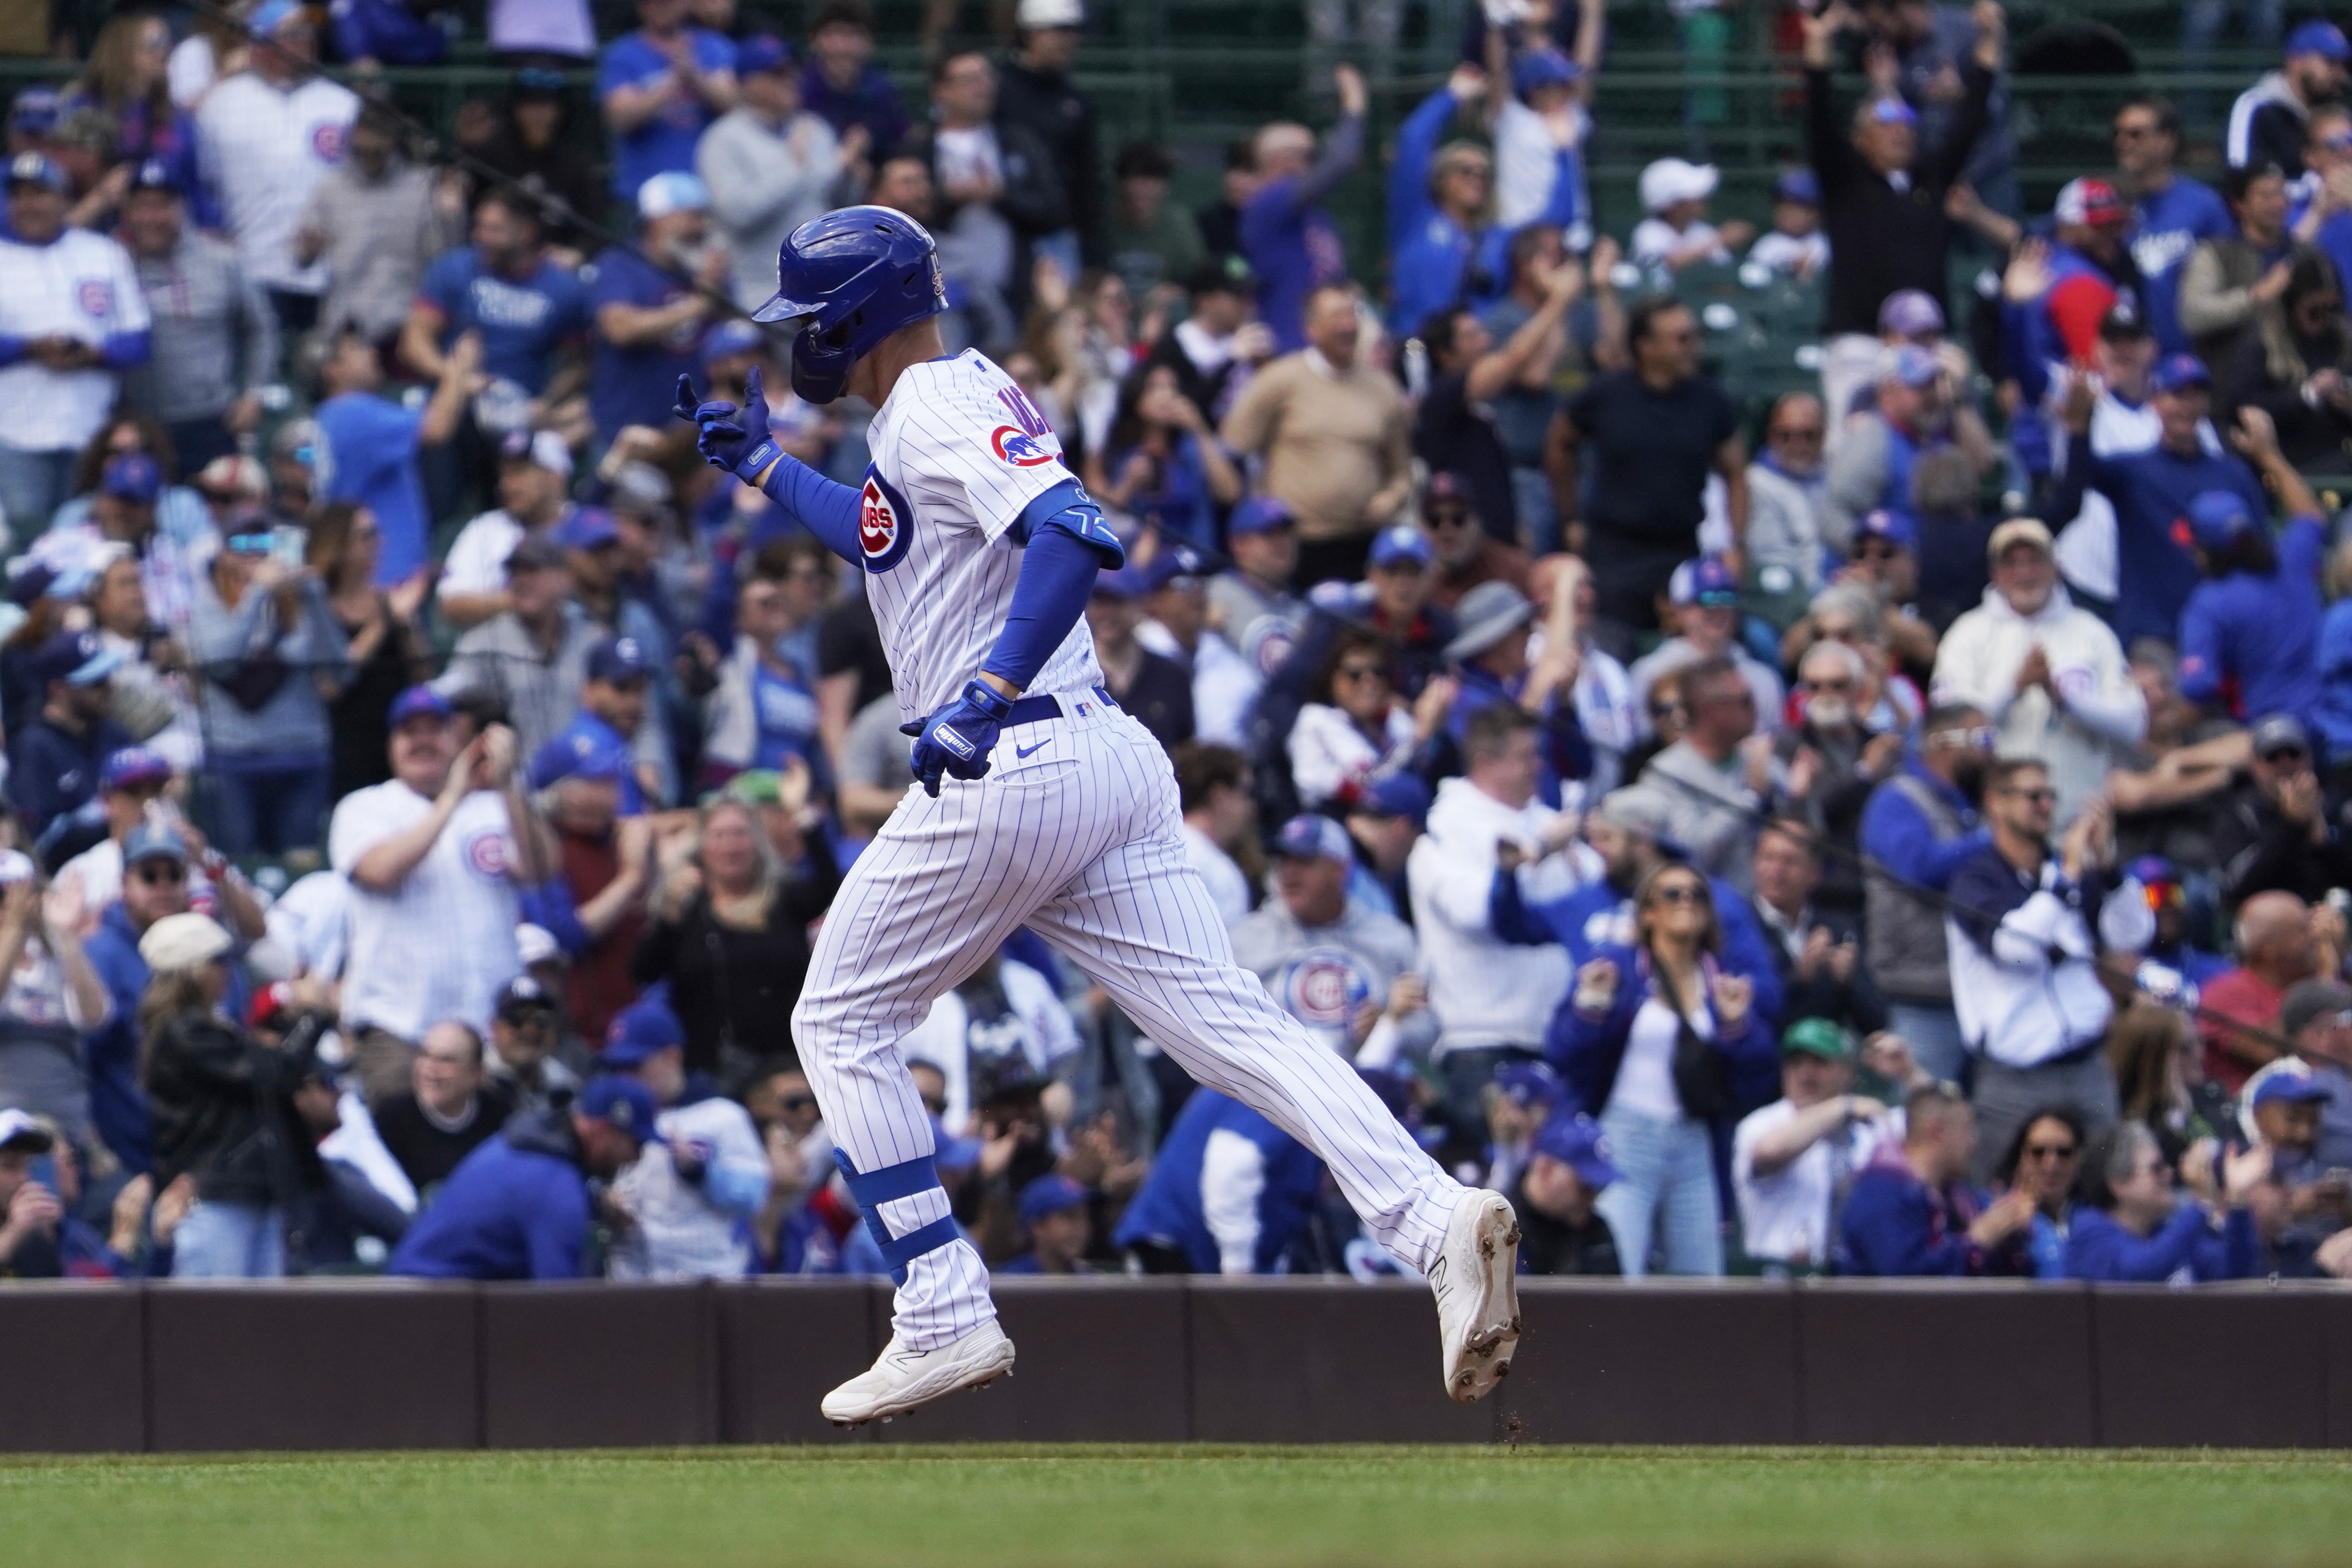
(395, 1365)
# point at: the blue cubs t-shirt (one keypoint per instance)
(523, 320)
(371, 458)
(637, 385)
(666, 142)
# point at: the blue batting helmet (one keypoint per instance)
(858, 274)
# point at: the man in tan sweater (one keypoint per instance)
(1336, 440)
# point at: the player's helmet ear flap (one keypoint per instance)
(858, 274)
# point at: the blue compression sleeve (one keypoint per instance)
(1066, 551)
(825, 508)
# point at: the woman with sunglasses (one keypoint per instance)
(1663, 1042)
(2040, 1162)
(1354, 730)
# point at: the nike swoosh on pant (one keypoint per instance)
(1022, 751)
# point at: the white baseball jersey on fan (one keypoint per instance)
(79, 285)
(442, 945)
(1074, 832)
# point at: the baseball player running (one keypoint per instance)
(1042, 803)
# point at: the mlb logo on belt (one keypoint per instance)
(1019, 448)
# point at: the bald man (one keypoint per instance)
(2278, 945)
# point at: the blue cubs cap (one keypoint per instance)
(1895, 527)
(154, 174)
(638, 1032)
(576, 756)
(2280, 732)
(1258, 515)
(1175, 566)
(765, 52)
(2175, 372)
(34, 111)
(674, 191)
(1525, 1083)
(272, 15)
(2324, 39)
(77, 658)
(1398, 795)
(132, 765)
(618, 659)
(622, 1103)
(1400, 542)
(1893, 111)
(1050, 1194)
(2289, 1086)
(418, 702)
(36, 169)
(1911, 313)
(2149, 870)
(1708, 581)
(1124, 583)
(732, 337)
(1798, 185)
(1309, 835)
(588, 528)
(131, 477)
(154, 841)
(1576, 1142)
(2217, 516)
(1542, 68)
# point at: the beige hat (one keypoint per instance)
(184, 942)
(2018, 531)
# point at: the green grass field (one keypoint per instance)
(1030, 1506)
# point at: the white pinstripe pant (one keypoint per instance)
(1080, 841)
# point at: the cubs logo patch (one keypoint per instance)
(885, 522)
(1020, 448)
(95, 296)
(1323, 990)
(327, 142)
(486, 851)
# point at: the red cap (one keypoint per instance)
(2094, 203)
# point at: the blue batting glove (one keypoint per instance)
(956, 740)
(728, 438)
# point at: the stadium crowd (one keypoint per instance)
(1914, 842)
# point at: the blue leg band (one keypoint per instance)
(874, 1188)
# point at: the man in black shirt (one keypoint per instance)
(451, 1110)
(1034, 90)
(1654, 433)
(55, 756)
(1559, 1233)
(1454, 429)
(1157, 691)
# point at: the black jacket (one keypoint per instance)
(1032, 200)
(734, 989)
(2259, 850)
(220, 1110)
(1048, 107)
(1856, 1004)
(1549, 1246)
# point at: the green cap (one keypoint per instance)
(756, 787)
(1816, 1037)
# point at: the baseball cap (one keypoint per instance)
(234, 475)
(1448, 486)
(2307, 1000)
(418, 702)
(37, 169)
(270, 1003)
(1175, 566)
(19, 1130)
(1708, 581)
(765, 52)
(622, 1103)
(1227, 274)
(1798, 185)
(2217, 516)
(2324, 39)
(2018, 531)
(2150, 870)
(1258, 515)
(1542, 68)
(588, 528)
(2175, 372)
(2122, 323)
(732, 337)
(34, 111)
(643, 1030)
(1912, 365)
(1893, 111)
(187, 941)
(1672, 180)
(618, 659)
(539, 553)
(1486, 615)
(1309, 835)
(640, 490)
(768, 786)
(1400, 542)
(544, 447)
(1576, 1142)
(536, 945)
(77, 658)
(672, 190)
(1050, 1194)
(2289, 1083)
(131, 477)
(154, 174)
(1034, 16)
(131, 765)
(1525, 1083)
(1895, 527)
(1398, 795)
(524, 995)
(30, 581)
(1816, 1037)
(2280, 732)
(272, 15)
(1911, 313)
(2092, 202)
(576, 756)
(1124, 583)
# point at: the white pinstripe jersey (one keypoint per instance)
(958, 450)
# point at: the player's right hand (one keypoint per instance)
(728, 438)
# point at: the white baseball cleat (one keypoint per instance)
(1477, 1288)
(902, 1378)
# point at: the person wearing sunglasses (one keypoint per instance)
(2283, 830)
(2172, 213)
(1785, 486)
(2028, 929)
(2040, 1162)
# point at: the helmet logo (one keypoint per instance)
(1019, 448)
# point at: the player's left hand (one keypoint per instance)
(956, 741)
(728, 438)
